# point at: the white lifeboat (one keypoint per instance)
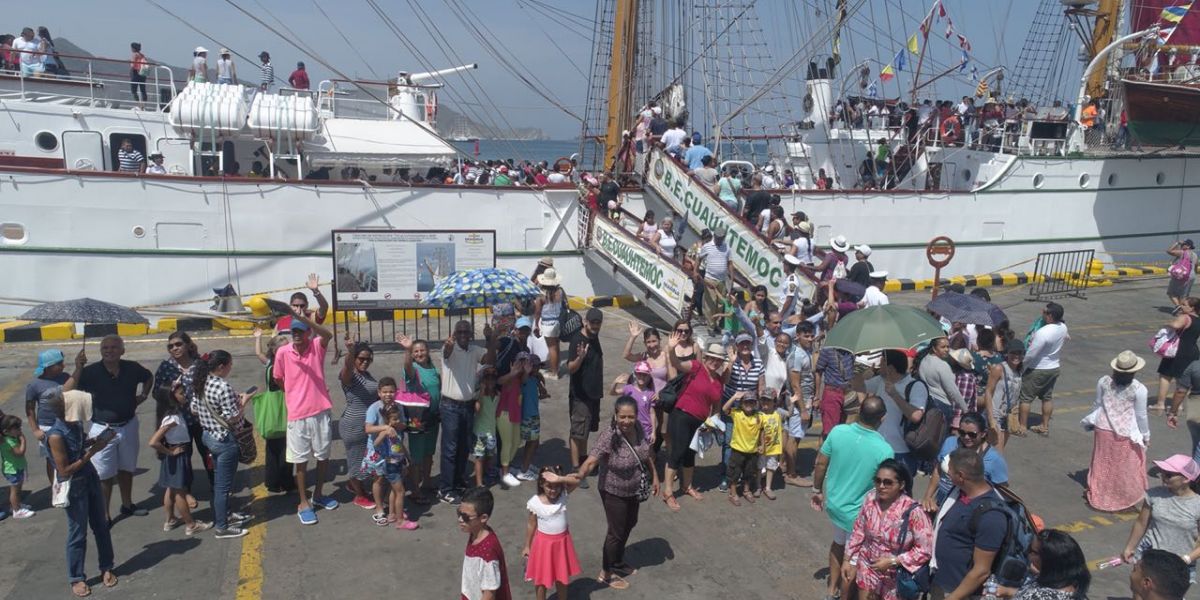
(294, 115)
(207, 108)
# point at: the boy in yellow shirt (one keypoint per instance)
(772, 427)
(745, 445)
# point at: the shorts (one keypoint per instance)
(120, 454)
(840, 535)
(531, 429)
(485, 445)
(32, 69)
(833, 412)
(1190, 378)
(741, 466)
(1038, 383)
(44, 445)
(309, 438)
(768, 463)
(795, 424)
(17, 478)
(550, 328)
(585, 417)
(393, 472)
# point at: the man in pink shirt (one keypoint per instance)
(300, 368)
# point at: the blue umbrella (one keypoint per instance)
(480, 288)
(964, 308)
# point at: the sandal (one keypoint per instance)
(624, 569)
(734, 500)
(613, 581)
(81, 589)
(407, 525)
(380, 519)
(1019, 432)
(768, 494)
(1041, 430)
(797, 481)
(109, 578)
(671, 503)
(748, 496)
(694, 494)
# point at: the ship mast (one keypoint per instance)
(1104, 21)
(620, 76)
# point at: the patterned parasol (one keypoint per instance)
(480, 288)
(84, 310)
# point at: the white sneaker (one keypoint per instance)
(530, 475)
(510, 481)
(23, 513)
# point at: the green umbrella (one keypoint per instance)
(890, 326)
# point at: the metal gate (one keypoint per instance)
(379, 328)
(1061, 274)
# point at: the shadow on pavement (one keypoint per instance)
(154, 553)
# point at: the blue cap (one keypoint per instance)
(298, 325)
(47, 358)
(524, 322)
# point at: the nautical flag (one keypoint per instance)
(962, 66)
(981, 90)
(886, 74)
(941, 10)
(1174, 14)
(1164, 35)
(837, 32)
(912, 44)
(949, 28)
(873, 89)
(899, 61)
(963, 43)
(974, 73)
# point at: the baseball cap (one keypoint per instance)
(595, 314)
(298, 325)
(865, 249)
(524, 322)
(642, 367)
(743, 337)
(1182, 464)
(47, 358)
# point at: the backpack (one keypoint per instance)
(1181, 269)
(1011, 564)
(910, 586)
(924, 438)
(670, 392)
(839, 270)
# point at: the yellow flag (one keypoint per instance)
(912, 44)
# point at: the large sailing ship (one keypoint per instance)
(70, 225)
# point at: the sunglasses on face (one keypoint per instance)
(969, 434)
(684, 331)
(465, 518)
(173, 345)
(885, 482)
(365, 359)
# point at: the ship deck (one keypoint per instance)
(765, 550)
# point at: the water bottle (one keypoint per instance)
(990, 589)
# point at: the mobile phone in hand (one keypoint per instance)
(107, 435)
(250, 390)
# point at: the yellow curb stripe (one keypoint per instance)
(250, 571)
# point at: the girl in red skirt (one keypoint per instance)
(549, 550)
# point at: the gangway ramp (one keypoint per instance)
(659, 282)
(753, 256)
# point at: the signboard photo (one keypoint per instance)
(381, 268)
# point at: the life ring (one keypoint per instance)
(563, 165)
(950, 130)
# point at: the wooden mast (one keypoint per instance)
(620, 76)
(1104, 31)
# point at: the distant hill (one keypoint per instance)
(450, 123)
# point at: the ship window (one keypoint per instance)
(1112, 179)
(46, 141)
(1084, 180)
(1160, 178)
(967, 175)
(1038, 181)
(12, 233)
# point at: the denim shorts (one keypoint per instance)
(17, 478)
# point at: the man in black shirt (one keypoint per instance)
(757, 201)
(658, 125)
(608, 189)
(860, 271)
(113, 384)
(585, 363)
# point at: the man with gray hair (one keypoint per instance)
(114, 385)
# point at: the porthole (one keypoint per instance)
(46, 141)
(1038, 181)
(1112, 180)
(967, 175)
(13, 234)
(139, 231)
(1161, 178)
(1084, 180)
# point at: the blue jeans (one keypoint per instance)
(87, 508)
(225, 459)
(458, 421)
(725, 438)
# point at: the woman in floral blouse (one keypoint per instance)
(873, 552)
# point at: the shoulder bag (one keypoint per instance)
(243, 434)
(644, 487)
(1181, 269)
(909, 585)
(570, 321)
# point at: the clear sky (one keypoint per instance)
(542, 43)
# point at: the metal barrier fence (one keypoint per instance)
(1061, 274)
(379, 328)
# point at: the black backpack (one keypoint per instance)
(1011, 564)
(925, 437)
(670, 392)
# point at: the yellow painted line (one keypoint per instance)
(1097, 522)
(250, 571)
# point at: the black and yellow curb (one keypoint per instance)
(29, 331)
(1133, 271)
(984, 280)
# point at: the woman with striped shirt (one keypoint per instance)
(361, 391)
(219, 410)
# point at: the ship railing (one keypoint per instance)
(100, 84)
(341, 98)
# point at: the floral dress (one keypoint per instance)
(875, 535)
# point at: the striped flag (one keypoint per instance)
(886, 74)
(949, 28)
(964, 43)
(873, 89)
(1164, 35)
(1174, 14)
(962, 65)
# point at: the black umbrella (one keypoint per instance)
(84, 310)
(964, 308)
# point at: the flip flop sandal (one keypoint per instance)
(749, 497)
(615, 582)
(769, 495)
(734, 501)
(107, 583)
(671, 503)
(86, 591)
(695, 494)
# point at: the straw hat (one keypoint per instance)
(549, 277)
(546, 261)
(1127, 362)
(839, 243)
(715, 350)
(962, 356)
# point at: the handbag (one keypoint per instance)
(1181, 269)
(670, 392)
(1165, 342)
(270, 414)
(570, 320)
(644, 487)
(909, 585)
(415, 406)
(60, 497)
(243, 434)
